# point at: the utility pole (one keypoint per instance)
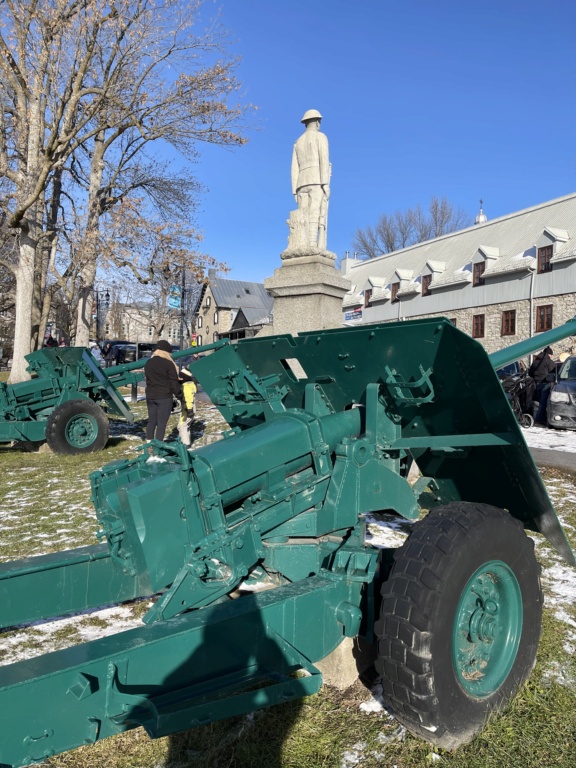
(182, 311)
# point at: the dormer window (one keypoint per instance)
(394, 288)
(426, 280)
(544, 257)
(478, 272)
(367, 297)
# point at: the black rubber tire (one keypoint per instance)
(419, 609)
(63, 416)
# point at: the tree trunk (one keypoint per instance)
(24, 299)
(90, 244)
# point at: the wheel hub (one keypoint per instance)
(487, 629)
(81, 431)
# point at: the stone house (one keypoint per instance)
(500, 281)
(233, 309)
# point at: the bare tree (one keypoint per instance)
(405, 228)
(79, 75)
(147, 257)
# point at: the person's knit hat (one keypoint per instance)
(164, 345)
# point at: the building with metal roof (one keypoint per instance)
(500, 280)
(233, 309)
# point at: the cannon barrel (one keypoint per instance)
(529, 346)
(286, 444)
(135, 365)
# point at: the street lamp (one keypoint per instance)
(102, 301)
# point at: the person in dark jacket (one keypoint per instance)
(108, 355)
(542, 366)
(162, 386)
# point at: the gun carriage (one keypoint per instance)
(255, 547)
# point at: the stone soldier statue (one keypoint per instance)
(311, 182)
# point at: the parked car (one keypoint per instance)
(138, 351)
(562, 401)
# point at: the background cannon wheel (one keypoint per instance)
(77, 426)
(526, 421)
(460, 621)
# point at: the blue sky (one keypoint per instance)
(454, 98)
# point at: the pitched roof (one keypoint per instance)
(252, 298)
(509, 240)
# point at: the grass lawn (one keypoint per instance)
(45, 506)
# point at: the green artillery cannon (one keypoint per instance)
(254, 547)
(64, 401)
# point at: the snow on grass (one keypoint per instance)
(386, 531)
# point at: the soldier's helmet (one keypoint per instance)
(311, 114)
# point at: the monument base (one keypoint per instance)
(307, 291)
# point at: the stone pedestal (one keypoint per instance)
(307, 291)
(343, 666)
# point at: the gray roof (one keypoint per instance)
(252, 298)
(506, 243)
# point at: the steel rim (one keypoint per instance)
(487, 629)
(81, 430)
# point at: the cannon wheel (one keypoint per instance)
(77, 426)
(460, 621)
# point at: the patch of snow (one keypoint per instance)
(353, 756)
(376, 703)
(560, 586)
(556, 673)
(570, 643)
(386, 531)
(551, 439)
(398, 734)
(112, 620)
(372, 705)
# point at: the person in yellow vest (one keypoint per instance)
(189, 389)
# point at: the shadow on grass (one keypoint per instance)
(238, 665)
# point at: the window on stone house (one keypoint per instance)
(453, 321)
(199, 339)
(543, 318)
(367, 297)
(215, 318)
(478, 326)
(208, 302)
(215, 336)
(394, 288)
(478, 272)
(426, 280)
(544, 256)
(199, 321)
(508, 323)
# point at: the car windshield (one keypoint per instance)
(568, 370)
